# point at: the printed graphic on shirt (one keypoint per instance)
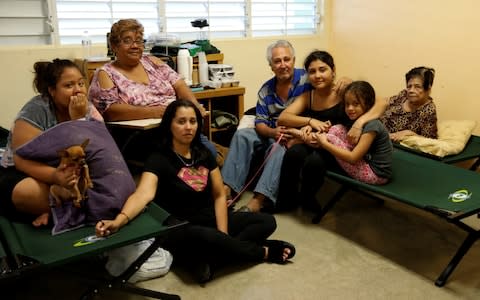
(196, 178)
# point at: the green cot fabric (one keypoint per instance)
(3, 253)
(38, 243)
(425, 183)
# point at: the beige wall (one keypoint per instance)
(374, 40)
(16, 75)
(380, 41)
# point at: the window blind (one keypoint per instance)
(24, 22)
(95, 17)
(226, 18)
(66, 21)
(283, 17)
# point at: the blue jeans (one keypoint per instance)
(237, 164)
(210, 146)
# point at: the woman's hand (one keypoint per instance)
(78, 106)
(341, 85)
(354, 134)
(306, 130)
(321, 138)
(64, 176)
(202, 110)
(319, 125)
(400, 135)
(295, 133)
(284, 132)
(296, 137)
(106, 227)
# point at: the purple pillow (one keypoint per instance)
(112, 181)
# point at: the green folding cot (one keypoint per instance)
(26, 249)
(5, 270)
(447, 191)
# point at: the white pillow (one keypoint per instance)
(453, 135)
(247, 121)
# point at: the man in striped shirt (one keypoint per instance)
(273, 97)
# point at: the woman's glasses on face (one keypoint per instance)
(129, 42)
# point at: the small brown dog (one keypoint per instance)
(73, 157)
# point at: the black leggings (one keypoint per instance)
(302, 174)
(201, 241)
(9, 178)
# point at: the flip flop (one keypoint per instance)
(275, 251)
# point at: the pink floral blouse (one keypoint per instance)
(159, 90)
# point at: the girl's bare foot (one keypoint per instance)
(256, 203)
(41, 220)
(293, 141)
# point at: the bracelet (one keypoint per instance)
(126, 216)
(308, 123)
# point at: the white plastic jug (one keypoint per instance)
(202, 68)
(185, 65)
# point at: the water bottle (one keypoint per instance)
(86, 45)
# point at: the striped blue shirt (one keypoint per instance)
(270, 105)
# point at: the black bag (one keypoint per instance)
(3, 136)
(223, 119)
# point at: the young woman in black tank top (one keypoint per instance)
(305, 163)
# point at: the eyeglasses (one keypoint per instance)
(129, 42)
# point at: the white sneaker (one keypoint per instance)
(158, 264)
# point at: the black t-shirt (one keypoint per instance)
(183, 191)
(335, 114)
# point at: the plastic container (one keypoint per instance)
(185, 65)
(163, 39)
(226, 83)
(202, 68)
(86, 45)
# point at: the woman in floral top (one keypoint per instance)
(136, 86)
(412, 111)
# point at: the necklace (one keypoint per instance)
(184, 163)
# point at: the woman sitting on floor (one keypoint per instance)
(25, 184)
(182, 176)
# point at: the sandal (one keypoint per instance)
(276, 249)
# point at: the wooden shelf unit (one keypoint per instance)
(229, 99)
